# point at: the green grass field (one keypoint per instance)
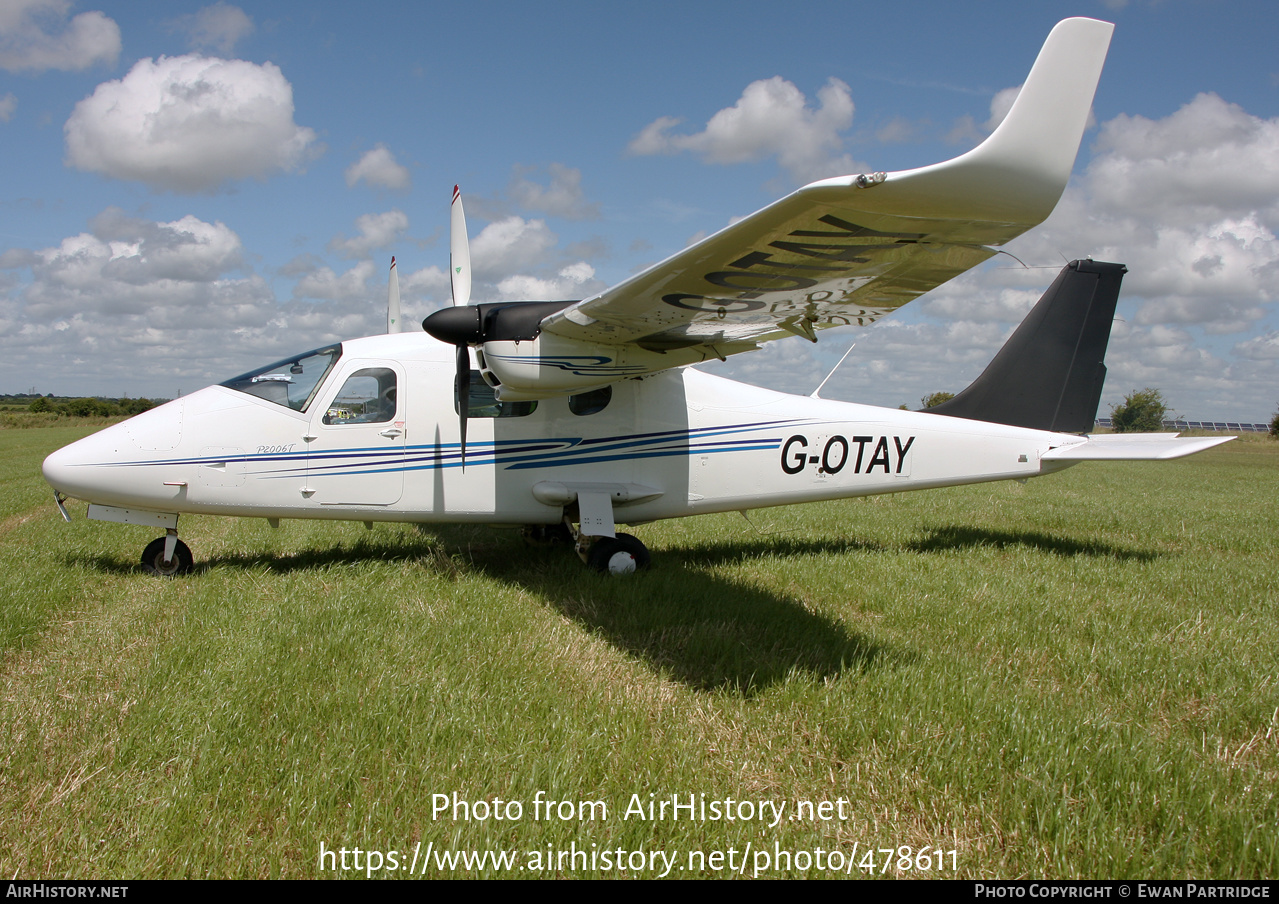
(1078, 677)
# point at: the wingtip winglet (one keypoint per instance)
(1019, 172)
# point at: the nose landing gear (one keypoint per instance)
(167, 556)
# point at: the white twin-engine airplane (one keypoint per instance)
(570, 417)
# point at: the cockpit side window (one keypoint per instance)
(292, 382)
(367, 397)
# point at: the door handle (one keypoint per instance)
(392, 432)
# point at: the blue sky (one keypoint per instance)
(190, 189)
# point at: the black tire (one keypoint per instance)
(153, 559)
(600, 558)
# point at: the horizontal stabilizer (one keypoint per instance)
(1134, 447)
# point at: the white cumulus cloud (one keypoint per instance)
(1190, 203)
(377, 230)
(379, 168)
(574, 281)
(188, 249)
(8, 104)
(510, 245)
(130, 265)
(325, 283)
(1264, 347)
(155, 308)
(189, 124)
(35, 36)
(1209, 159)
(772, 118)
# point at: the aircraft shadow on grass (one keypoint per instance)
(697, 628)
(701, 629)
(963, 536)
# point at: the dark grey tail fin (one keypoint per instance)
(1048, 376)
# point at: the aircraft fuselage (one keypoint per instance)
(683, 442)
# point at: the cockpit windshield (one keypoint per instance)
(292, 382)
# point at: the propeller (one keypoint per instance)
(460, 281)
(393, 300)
(465, 325)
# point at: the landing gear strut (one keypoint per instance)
(167, 556)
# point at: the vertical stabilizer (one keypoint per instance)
(1049, 374)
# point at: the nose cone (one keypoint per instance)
(59, 467)
(82, 469)
(123, 464)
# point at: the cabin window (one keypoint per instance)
(484, 402)
(367, 397)
(292, 382)
(590, 402)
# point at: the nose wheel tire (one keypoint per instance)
(153, 559)
(622, 554)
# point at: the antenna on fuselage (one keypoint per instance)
(815, 392)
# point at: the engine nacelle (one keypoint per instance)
(551, 365)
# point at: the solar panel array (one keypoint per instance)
(1226, 426)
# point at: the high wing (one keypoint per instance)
(851, 249)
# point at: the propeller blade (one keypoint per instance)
(393, 300)
(463, 384)
(459, 328)
(459, 252)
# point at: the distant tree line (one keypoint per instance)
(90, 407)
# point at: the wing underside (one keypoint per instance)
(847, 251)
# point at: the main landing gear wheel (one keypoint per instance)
(153, 559)
(622, 554)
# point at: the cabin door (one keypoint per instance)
(356, 454)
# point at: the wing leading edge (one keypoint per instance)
(848, 250)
